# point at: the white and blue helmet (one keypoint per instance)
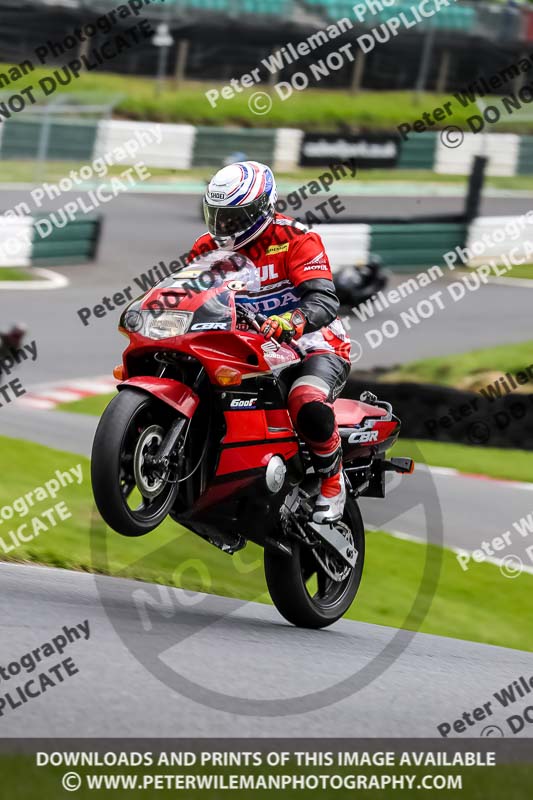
(240, 203)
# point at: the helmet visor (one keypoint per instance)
(234, 220)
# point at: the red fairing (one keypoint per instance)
(386, 430)
(253, 430)
(257, 456)
(173, 393)
(353, 412)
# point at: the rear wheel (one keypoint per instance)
(131, 495)
(303, 591)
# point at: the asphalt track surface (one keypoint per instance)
(433, 680)
(247, 655)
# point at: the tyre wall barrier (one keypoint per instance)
(444, 414)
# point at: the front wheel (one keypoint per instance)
(302, 590)
(132, 497)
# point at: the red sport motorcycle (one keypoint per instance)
(200, 431)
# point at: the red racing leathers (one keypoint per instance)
(295, 273)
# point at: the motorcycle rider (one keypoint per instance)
(298, 297)
(12, 339)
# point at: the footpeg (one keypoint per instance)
(405, 466)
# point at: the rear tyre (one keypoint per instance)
(131, 496)
(300, 588)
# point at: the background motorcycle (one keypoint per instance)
(200, 431)
(355, 285)
(13, 339)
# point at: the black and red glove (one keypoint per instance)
(284, 327)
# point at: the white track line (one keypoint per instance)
(408, 537)
(523, 283)
(52, 280)
(449, 472)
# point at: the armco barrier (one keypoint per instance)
(212, 145)
(418, 152)
(173, 152)
(346, 244)
(76, 243)
(525, 155)
(22, 245)
(68, 140)
(516, 238)
(287, 149)
(501, 149)
(407, 245)
(184, 146)
(402, 245)
(15, 241)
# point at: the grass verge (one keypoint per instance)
(30, 172)
(521, 271)
(315, 108)
(468, 370)
(15, 274)
(513, 465)
(477, 605)
(88, 405)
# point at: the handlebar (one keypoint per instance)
(256, 321)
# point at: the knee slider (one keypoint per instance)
(316, 421)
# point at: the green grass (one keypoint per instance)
(29, 171)
(520, 271)
(479, 605)
(15, 274)
(516, 465)
(88, 405)
(314, 108)
(465, 370)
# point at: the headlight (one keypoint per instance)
(168, 324)
(154, 325)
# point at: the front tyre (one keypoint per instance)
(301, 589)
(131, 495)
